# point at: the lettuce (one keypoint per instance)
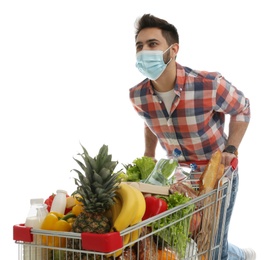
(176, 234)
(140, 169)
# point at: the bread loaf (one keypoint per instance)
(209, 177)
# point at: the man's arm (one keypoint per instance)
(237, 131)
(150, 142)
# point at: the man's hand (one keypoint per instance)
(227, 158)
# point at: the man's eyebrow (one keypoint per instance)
(148, 41)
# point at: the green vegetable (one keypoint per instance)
(122, 175)
(140, 169)
(132, 172)
(177, 234)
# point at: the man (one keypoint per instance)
(185, 109)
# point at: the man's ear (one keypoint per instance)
(175, 49)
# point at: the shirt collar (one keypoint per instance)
(180, 79)
(179, 82)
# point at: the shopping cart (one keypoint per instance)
(156, 240)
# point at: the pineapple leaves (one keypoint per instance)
(97, 182)
(80, 164)
(82, 178)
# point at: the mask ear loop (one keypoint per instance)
(167, 48)
(166, 51)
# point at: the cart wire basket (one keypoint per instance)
(201, 221)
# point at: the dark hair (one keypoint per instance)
(169, 31)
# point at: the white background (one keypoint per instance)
(65, 71)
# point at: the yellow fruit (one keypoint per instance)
(127, 213)
(76, 200)
(135, 234)
(116, 209)
(70, 202)
(126, 238)
(140, 208)
(59, 215)
(77, 209)
(108, 214)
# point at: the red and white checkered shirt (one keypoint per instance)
(196, 121)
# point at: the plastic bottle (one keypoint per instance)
(179, 174)
(37, 212)
(59, 202)
(184, 173)
(164, 170)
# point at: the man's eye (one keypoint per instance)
(152, 44)
(138, 48)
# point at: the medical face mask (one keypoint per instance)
(151, 63)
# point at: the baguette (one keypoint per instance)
(208, 179)
(220, 172)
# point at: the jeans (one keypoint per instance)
(229, 251)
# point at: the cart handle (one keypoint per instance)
(234, 163)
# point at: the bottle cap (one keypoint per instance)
(61, 191)
(193, 166)
(36, 201)
(177, 152)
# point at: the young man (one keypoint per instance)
(185, 109)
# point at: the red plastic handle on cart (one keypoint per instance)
(234, 163)
(22, 233)
(105, 243)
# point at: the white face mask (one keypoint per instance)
(151, 63)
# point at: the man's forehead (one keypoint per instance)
(149, 35)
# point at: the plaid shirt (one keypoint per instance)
(196, 121)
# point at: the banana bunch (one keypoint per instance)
(128, 210)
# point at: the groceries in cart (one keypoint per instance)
(116, 215)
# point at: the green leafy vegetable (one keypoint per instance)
(133, 173)
(177, 234)
(145, 165)
(140, 169)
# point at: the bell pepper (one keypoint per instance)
(154, 206)
(77, 209)
(55, 223)
(49, 201)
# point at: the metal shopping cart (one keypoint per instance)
(156, 241)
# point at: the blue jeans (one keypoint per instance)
(229, 251)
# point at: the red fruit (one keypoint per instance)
(49, 201)
(154, 206)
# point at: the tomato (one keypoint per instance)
(154, 206)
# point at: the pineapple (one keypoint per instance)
(96, 185)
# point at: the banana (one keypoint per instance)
(140, 208)
(116, 209)
(129, 201)
(126, 239)
(135, 234)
